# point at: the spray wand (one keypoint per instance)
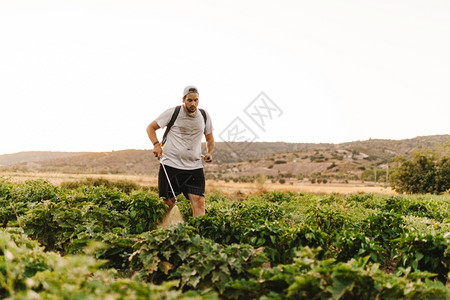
(170, 184)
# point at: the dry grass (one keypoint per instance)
(230, 188)
(58, 178)
(251, 188)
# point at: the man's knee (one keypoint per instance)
(198, 205)
(197, 199)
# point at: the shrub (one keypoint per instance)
(425, 171)
(126, 186)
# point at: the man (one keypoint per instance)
(182, 157)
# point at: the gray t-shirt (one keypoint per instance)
(184, 140)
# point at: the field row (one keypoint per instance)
(274, 245)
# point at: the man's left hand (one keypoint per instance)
(207, 157)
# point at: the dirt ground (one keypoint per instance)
(249, 188)
(230, 188)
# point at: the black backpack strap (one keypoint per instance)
(172, 120)
(204, 114)
(174, 117)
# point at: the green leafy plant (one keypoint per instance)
(272, 245)
(145, 211)
(179, 253)
(310, 278)
(425, 252)
(27, 272)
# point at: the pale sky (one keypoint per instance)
(91, 75)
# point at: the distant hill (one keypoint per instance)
(233, 159)
(33, 156)
(376, 148)
(388, 148)
(352, 161)
(115, 162)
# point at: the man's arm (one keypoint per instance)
(151, 132)
(209, 147)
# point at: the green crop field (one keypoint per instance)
(102, 241)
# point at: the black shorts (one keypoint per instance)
(183, 181)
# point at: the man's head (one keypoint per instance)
(190, 99)
(189, 89)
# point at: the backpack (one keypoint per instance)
(174, 117)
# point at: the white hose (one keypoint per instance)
(170, 184)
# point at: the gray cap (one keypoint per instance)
(189, 89)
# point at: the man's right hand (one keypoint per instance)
(157, 151)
